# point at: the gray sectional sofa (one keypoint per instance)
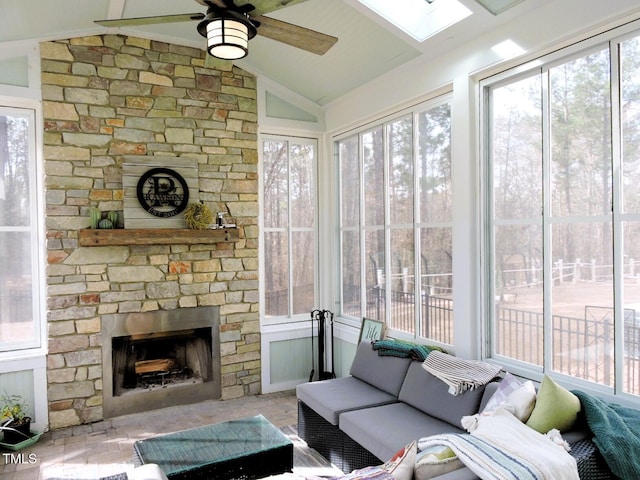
(386, 403)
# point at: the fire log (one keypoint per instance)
(151, 366)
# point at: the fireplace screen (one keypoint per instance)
(161, 360)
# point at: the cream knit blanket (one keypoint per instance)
(501, 447)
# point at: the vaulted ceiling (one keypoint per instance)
(368, 44)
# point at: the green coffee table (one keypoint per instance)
(242, 449)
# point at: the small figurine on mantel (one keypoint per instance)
(221, 223)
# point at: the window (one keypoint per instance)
(563, 168)
(19, 278)
(395, 223)
(289, 226)
(418, 18)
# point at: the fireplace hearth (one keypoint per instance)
(161, 358)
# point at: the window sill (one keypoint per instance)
(156, 236)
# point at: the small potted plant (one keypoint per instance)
(14, 421)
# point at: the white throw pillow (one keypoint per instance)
(434, 461)
(509, 384)
(521, 401)
(399, 467)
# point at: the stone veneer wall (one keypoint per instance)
(106, 97)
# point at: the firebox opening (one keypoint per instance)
(161, 360)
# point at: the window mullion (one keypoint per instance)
(386, 149)
(617, 224)
(490, 340)
(417, 244)
(547, 230)
(289, 231)
(362, 236)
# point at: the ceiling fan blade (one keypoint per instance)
(294, 35)
(125, 22)
(262, 6)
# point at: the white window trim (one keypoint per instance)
(610, 39)
(38, 345)
(301, 317)
(413, 110)
(33, 359)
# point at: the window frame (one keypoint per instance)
(38, 342)
(289, 317)
(417, 225)
(611, 41)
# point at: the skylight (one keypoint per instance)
(419, 18)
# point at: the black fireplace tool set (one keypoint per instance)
(320, 319)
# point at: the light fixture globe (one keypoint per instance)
(227, 33)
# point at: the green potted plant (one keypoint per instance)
(14, 421)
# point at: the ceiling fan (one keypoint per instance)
(228, 27)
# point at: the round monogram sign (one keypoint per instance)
(163, 192)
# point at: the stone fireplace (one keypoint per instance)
(104, 99)
(159, 359)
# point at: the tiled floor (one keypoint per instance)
(111, 441)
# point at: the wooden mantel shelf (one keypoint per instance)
(155, 236)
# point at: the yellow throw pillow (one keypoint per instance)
(556, 407)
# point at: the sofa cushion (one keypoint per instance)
(517, 397)
(556, 407)
(431, 395)
(509, 384)
(330, 398)
(384, 430)
(489, 390)
(384, 372)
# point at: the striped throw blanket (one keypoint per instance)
(461, 375)
(503, 448)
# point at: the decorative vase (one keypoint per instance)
(18, 432)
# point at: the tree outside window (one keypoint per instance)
(395, 224)
(557, 209)
(289, 224)
(19, 318)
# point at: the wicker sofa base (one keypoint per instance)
(331, 442)
(348, 455)
(591, 464)
(322, 436)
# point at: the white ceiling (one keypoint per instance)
(368, 46)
